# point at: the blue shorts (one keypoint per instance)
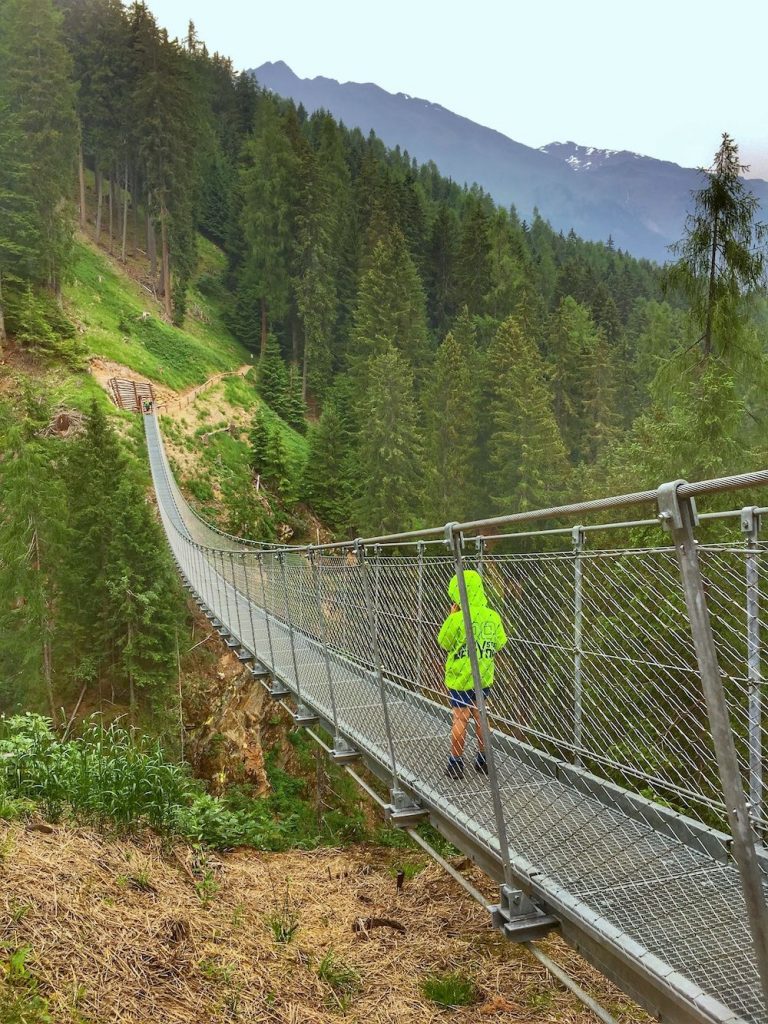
(466, 698)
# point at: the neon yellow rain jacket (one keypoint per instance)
(486, 626)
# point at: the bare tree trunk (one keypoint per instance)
(125, 215)
(166, 264)
(111, 204)
(48, 677)
(3, 335)
(152, 249)
(81, 179)
(263, 328)
(304, 373)
(295, 339)
(99, 196)
(135, 197)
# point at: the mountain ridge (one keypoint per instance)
(639, 201)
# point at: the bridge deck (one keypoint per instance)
(664, 918)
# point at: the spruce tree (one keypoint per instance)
(473, 259)
(722, 256)
(389, 459)
(273, 379)
(295, 406)
(142, 596)
(390, 309)
(32, 539)
(37, 94)
(258, 438)
(528, 462)
(325, 484)
(451, 418)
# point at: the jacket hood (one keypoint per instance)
(475, 590)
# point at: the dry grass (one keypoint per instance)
(124, 931)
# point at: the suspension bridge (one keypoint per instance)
(624, 801)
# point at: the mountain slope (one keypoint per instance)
(640, 202)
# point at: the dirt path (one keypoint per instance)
(103, 370)
(183, 398)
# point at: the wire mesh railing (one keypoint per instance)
(607, 767)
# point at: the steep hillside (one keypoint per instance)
(96, 931)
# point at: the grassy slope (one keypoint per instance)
(109, 304)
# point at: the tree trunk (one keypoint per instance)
(295, 339)
(125, 215)
(99, 196)
(263, 328)
(304, 372)
(711, 293)
(3, 335)
(166, 264)
(48, 677)
(131, 690)
(152, 249)
(111, 205)
(135, 196)
(81, 179)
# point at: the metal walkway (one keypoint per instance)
(583, 813)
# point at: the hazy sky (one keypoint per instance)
(662, 77)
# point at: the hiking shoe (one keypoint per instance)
(455, 769)
(481, 765)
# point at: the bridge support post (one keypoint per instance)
(750, 526)
(454, 539)
(678, 515)
(316, 570)
(579, 540)
(235, 590)
(378, 665)
(260, 557)
(281, 560)
(419, 611)
(518, 918)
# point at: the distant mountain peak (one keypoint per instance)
(588, 158)
(639, 201)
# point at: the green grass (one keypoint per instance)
(109, 307)
(107, 778)
(450, 989)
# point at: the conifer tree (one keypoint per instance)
(258, 438)
(37, 93)
(441, 268)
(722, 257)
(390, 309)
(276, 468)
(295, 406)
(142, 596)
(389, 448)
(31, 549)
(325, 484)
(528, 462)
(273, 379)
(571, 344)
(269, 186)
(473, 260)
(451, 417)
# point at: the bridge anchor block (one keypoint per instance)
(305, 716)
(343, 752)
(518, 918)
(278, 689)
(403, 811)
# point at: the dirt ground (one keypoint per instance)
(132, 931)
